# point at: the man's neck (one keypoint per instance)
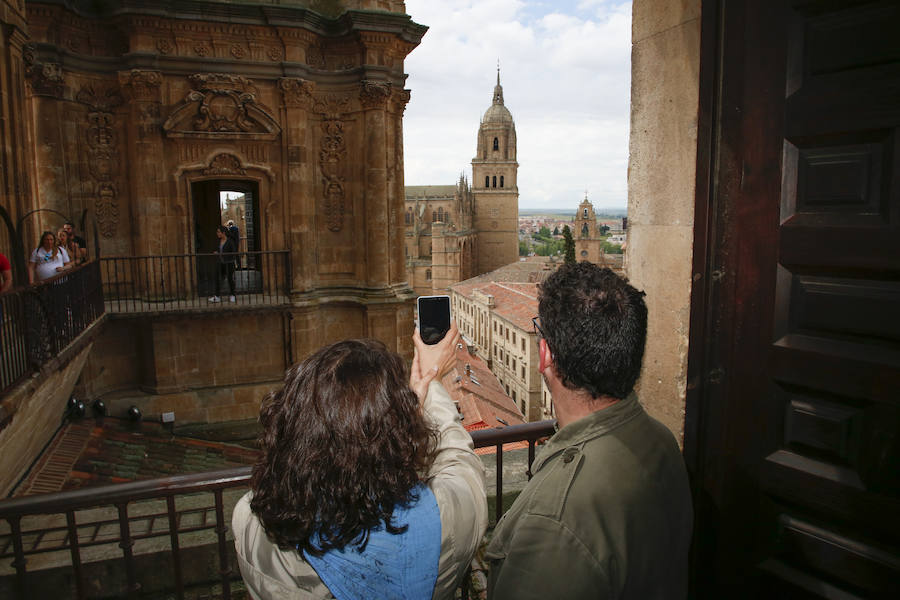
(573, 405)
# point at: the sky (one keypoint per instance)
(565, 68)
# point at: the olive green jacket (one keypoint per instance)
(457, 479)
(607, 514)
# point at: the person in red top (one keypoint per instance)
(6, 279)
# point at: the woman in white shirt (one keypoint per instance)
(47, 260)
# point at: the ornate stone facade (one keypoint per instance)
(131, 115)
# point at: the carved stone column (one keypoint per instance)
(300, 183)
(374, 98)
(156, 227)
(396, 188)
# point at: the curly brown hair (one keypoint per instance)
(344, 442)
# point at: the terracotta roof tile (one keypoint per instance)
(479, 395)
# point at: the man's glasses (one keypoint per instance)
(537, 327)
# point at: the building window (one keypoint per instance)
(427, 274)
(407, 218)
(514, 395)
(501, 181)
(494, 181)
(584, 253)
(523, 372)
(523, 344)
(440, 214)
(584, 230)
(514, 337)
(514, 365)
(585, 213)
(487, 181)
(496, 144)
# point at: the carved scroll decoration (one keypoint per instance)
(221, 106)
(332, 154)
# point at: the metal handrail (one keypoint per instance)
(38, 322)
(122, 495)
(160, 283)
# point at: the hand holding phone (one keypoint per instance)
(434, 318)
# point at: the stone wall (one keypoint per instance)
(31, 414)
(665, 62)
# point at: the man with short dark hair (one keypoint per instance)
(608, 512)
(69, 228)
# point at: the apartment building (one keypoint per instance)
(495, 319)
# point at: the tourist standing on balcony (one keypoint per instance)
(6, 279)
(47, 260)
(368, 486)
(227, 253)
(608, 509)
(234, 234)
(81, 255)
(68, 243)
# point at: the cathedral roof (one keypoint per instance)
(497, 113)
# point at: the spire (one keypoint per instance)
(498, 89)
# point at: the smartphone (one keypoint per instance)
(434, 318)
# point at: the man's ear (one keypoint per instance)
(546, 357)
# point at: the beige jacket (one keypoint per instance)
(457, 479)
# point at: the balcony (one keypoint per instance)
(160, 538)
(183, 282)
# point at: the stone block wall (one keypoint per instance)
(665, 63)
(29, 416)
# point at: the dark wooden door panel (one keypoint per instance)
(806, 242)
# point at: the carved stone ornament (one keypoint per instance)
(296, 91)
(225, 164)
(164, 46)
(238, 51)
(274, 53)
(141, 84)
(106, 209)
(45, 79)
(332, 155)
(221, 106)
(374, 94)
(102, 152)
(102, 99)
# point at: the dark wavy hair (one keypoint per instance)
(595, 324)
(344, 442)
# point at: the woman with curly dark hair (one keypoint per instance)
(368, 486)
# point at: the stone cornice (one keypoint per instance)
(280, 16)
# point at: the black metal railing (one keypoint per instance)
(39, 321)
(170, 509)
(147, 284)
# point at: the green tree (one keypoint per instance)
(523, 248)
(604, 229)
(544, 232)
(556, 230)
(569, 244)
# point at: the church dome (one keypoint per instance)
(497, 112)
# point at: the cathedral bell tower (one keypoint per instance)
(494, 174)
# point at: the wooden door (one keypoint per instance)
(793, 416)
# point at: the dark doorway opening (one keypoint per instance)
(215, 203)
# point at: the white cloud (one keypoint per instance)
(565, 71)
